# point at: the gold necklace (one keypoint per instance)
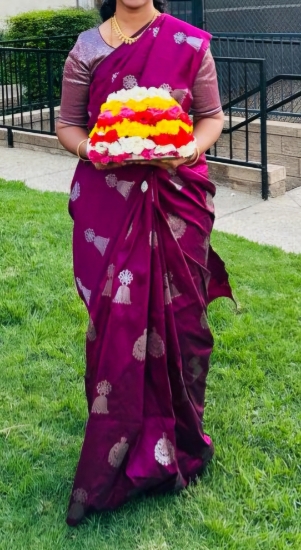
(126, 39)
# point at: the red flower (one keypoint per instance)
(163, 139)
(109, 137)
(185, 118)
(182, 138)
(105, 120)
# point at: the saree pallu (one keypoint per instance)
(144, 267)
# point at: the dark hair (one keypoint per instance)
(108, 8)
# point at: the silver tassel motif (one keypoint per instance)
(123, 295)
(107, 291)
(101, 243)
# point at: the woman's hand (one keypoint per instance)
(111, 165)
(169, 164)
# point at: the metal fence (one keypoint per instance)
(283, 56)
(259, 16)
(66, 42)
(30, 88)
(233, 146)
(190, 11)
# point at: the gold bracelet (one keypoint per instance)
(194, 161)
(78, 152)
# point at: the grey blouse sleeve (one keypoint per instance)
(205, 92)
(75, 90)
(86, 55)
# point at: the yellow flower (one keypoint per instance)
(131, 129)
(138, 106)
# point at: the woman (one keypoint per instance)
(142, 261)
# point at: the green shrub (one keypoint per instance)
(50, 23)
(40, 73)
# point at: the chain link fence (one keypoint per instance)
(255, 16)
(245, 16)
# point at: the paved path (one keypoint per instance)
(276, 221)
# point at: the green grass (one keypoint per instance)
(250, 496)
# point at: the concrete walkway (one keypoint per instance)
(276, 221)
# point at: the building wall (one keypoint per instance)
(14, 7)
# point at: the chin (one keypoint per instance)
(135, 3)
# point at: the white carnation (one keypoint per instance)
(158, 92)
(187, 150)
(129, 144)
(115, 149)
(100, 147)
(138, 93)
(138, 146)
(149, 144)
(164, 149)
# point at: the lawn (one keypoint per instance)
(250, 496)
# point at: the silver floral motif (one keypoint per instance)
(165, 451)
(177, 225)
(180, 38)
(114, 76)
(118, 452)
(166, 87)
(125, 277)
(123, 293)
(107, 291)
(90, 235)
(111, 180)
(129, 82)
(86, 293)
(139, 349)
(100, 405)
(155, 31)
(75, 193)
(155, 345)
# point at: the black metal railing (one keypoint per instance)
(30, 91)
(283, 56)
(188, 10)
(30, 88)
(251, 75)
(61, 42)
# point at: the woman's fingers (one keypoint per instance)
(113, 165)
(163, 164)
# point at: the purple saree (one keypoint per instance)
(146, 272)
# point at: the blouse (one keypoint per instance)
(91, 49)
